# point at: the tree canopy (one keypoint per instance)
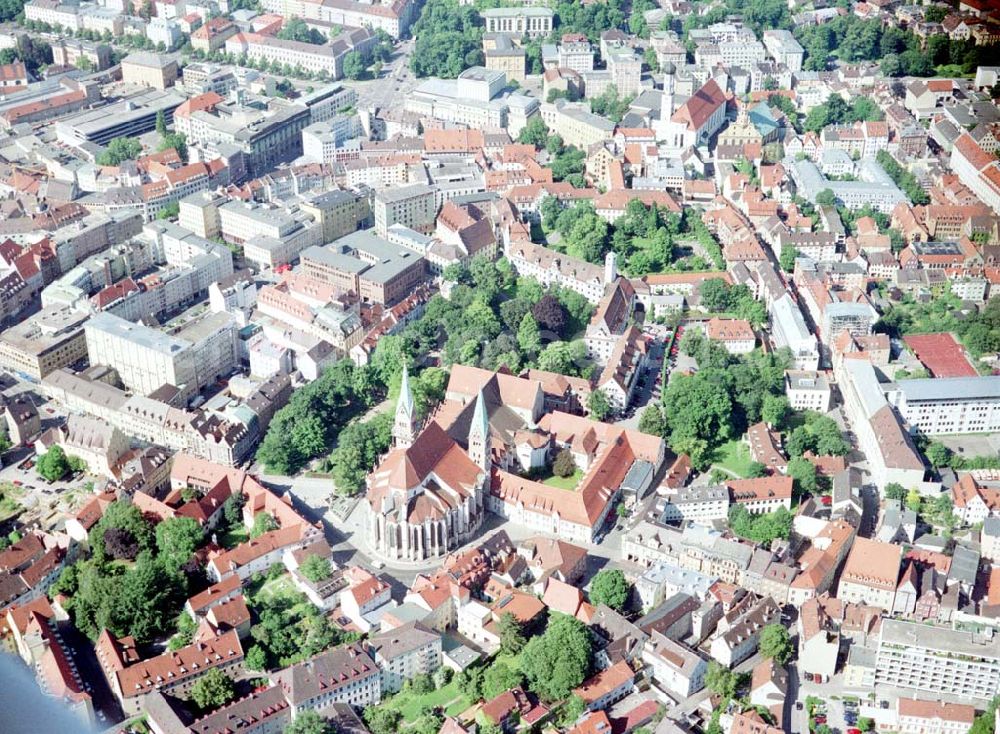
(212, 690)
(776, 643)
(448, 39)
(611, 588)
(53, 464)
(118, 151)
(558, 660)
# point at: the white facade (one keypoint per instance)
(943, 405)
(938, 660)
(808, 390)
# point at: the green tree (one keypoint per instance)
(938, 454)
(354, 65)
(611, 588)
(161, 124)
(985, 723)
(775, 643)
(652, 421)
(309, 722)
(699, 413)
(914, 500)
(564, 464)
(774, 410)
(212, 690)
(720, 680)
(803, 472)
(53, 465)
(177, 538)
(297, 30)
(512, 639)
(316, 568)
(359, 446)
(119, 150)
(866, 724)
(572, 710)
(559, 660)
(263, 522)
(382, 719)
(788, 255)
(535, 132)
(256, 659)
(826, 197)
(598, 405)
(529, 337)
(499, 678)
(894, 491)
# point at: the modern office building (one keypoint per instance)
(411, 206)
(127, 118)
(147, 359)
(942, 405)
(43, 343)
(364, 264)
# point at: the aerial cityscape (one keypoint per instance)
(499, 366)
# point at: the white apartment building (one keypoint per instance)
(411, 206)
(977, 170)
(576, 55)
(321, 140)
(808, 390)
(240, 221)
(345, 674)
(938, 660)
(404, 652)
(147, 359)
(311, 57)
(676, 668)
(784, 49)
(943, 405)
(697, 504)
(549, 267)
(788, 329)
(53, 13)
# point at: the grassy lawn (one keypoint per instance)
(234, 536)
(569, 482)
(412, 707)
(734, 457)
(277, 588)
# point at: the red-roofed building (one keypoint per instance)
(736, 335)
(173, 672)
(607, 687)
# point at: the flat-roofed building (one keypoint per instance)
(45, 342)
(146, 359)
(126, 118)
(943, 405)
(808, 390)
(363, 263)
(412, 206)
(938, 660)
(149, 70)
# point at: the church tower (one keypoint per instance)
(667, 108)
(479, 435)
(404, 428)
